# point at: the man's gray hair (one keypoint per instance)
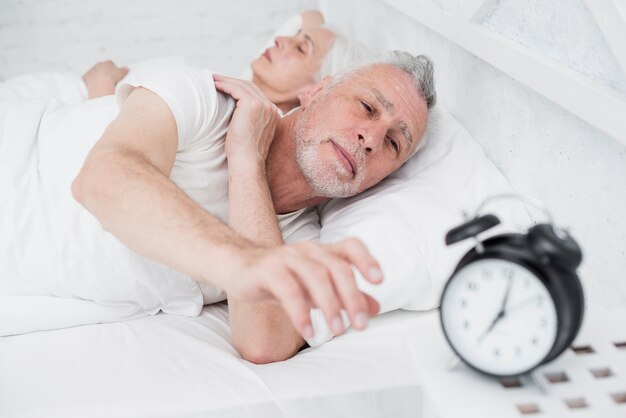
(419, 67)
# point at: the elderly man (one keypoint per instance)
(193, 179)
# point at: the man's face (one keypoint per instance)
(354, 134)
(293, 62)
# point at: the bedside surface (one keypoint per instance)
(587, 380)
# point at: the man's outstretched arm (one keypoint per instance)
(261, 331)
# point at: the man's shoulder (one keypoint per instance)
(179, 80)
(201, 112)
(198, 83)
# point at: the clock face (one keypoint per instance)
(499, 317)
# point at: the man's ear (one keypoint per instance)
(309, 93)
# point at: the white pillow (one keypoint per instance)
(404, 219)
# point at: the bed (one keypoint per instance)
(174, 366)
(544, 125)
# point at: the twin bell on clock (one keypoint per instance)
(514, 302)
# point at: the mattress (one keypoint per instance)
(175, 366)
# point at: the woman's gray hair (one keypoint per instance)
(343, 53)
(419, 67)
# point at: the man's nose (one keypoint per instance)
(364, 143)
(371, 138)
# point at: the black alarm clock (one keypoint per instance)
(514, 301)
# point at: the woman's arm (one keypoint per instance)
(312, 19)
(102, 78)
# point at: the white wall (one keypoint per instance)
(564, 30)
(542, 149)
(71, 35)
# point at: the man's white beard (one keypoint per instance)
(324, 182)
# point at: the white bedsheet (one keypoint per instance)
(174, 366)
(51, 246)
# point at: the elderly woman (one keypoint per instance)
(301, 53)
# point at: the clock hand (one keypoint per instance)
(506, 296)
(493, 324)
(501, 313)
(523, 303)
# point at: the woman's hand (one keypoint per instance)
(102, 78)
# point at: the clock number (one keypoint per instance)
(508, 272)
(472, 286)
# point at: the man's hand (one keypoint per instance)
(308, 275)
(102, 78)
(252, 127)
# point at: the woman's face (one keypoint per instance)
(292, 64)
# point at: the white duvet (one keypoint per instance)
(58, 268)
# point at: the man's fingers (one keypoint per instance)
(229, 80)
(220, 77)
(355, 252)
(309, 275)
(233, 84)
(238, 89)
(373, 307)
(315, 278)
(236, 81)
(353, 300)
(294, 301)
